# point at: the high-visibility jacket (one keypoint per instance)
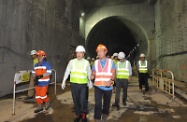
(41, 69)
(103, 75)
(122, 70)
(35, 61)
(115, 62)
(79, 72)
(143, 66)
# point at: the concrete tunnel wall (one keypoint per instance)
(132, 17)
(31, 24)
(171, 37)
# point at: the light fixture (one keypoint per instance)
(82, 14)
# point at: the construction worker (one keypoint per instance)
(103, 74)
(42, 71)
(92, 61)
(31, 83)
(143, 72)
(123, 75)
(79, 70)
(115, 59)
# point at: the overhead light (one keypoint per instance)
(82, 14)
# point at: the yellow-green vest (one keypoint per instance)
(35, 61)
(115, 62)
(142, 66)
(122, 70)
(79, 73)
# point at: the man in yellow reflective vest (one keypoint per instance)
(123, 75)
(143, 72)
(79, 70)
(103, 74)
(31, 83)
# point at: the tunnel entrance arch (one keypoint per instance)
(118, 34)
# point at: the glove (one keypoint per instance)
(63, 85)
(90, 84)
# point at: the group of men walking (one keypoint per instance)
(102, 75)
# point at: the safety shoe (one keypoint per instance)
(98, 120)
(77, 119)
(114, 104)
(83, 116)
(39, 109)
(124, 103)
(28, 98)
(47, 105)
(104, 117)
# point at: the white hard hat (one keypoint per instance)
(121, 55)
(88, 58)
(142, 55)
(115, 54)
(80, 48)
(33, 52)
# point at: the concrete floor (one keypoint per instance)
(155, 106)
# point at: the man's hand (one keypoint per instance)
(129, 78)
(63, 85)
(89, 84)
(110, 83)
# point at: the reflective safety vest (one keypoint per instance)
(103, 75)
(142, 66)
(122, 70)
(79, 73)
(42, 69)
(35, 61)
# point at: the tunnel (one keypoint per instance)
(118, 35)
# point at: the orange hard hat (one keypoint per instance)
(101, 46)
(41, 53)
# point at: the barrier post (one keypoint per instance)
(22, 90)
(169, 83)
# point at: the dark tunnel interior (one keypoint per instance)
(115, 35)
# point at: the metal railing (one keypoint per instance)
(163, 83)
(22, 90)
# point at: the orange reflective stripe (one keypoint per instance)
(100, 83)
(101, 76)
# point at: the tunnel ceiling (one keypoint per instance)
(88, 4)
(114, 34)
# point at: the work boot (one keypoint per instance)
(97, 120)
(47, 105)
(39, 109)
(77, 119)
(28, 98)
(84, 119)
(104, 117)
(124, 103)
(115, 105)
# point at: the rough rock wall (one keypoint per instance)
(171, 36)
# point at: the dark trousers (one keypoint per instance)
(101, 108)
(79, 96)
(143, 80)
(121, 83)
